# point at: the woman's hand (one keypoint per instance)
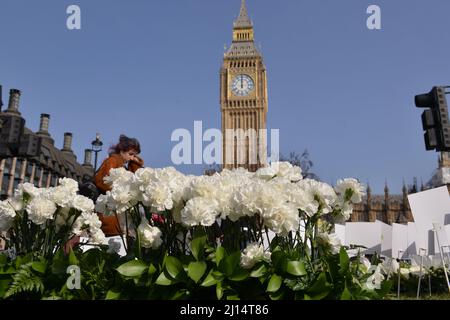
(136, 159)
(135, 163)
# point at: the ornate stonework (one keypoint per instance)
(243, 99)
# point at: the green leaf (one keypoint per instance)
(8, 270)
(320, 288)
(196, 270)
(198, 247)
(230, 263)
(4, 285)
(279, 295)
(259, 272)
(73, 258)
(112, 295)
(219, 291)
(39, 266)
(220, 254)
(344, 261)
(296, 268)
(133, 268)
(279, 261)
(163, 280)
(151, 269)
(60, 263)
(210, 280)
(3, 259)
(240, 275)
(346, 294)
(174, 267)
(274, 283)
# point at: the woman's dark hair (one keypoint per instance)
(125, 144)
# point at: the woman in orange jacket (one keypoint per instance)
(123, 154)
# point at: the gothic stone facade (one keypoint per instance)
(243, 99)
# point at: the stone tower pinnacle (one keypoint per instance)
(243, 21)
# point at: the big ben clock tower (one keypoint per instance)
(243, 99)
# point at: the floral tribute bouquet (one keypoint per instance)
(42, 220)
(232, 235)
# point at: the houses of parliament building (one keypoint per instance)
(43, 169)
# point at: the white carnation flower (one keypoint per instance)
(345, 212)
(7, 214)
(28, 188)
(60, 196)
(157, 196)
(199, 211)
(118, 176)
(252, 254)
(203, 186)
(122, 198)
(150, 237)
(70, 185)
(83, 204)
(87, 221)
(40, 210)
(323, 194)
(281, 170)
(266, 173)
(330, 239)
(302, 199)
(97, 237)
(282, 219)
(357, 189)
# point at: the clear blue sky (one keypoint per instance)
(145, 68)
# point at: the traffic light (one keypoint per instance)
(435, 120)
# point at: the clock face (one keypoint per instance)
(242, 85)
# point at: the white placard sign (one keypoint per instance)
(339, 230)
(386, 238)
(412, 239)
(367, 234)
(428, 207)
(399, 240)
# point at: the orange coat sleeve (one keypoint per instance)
(107, 165)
